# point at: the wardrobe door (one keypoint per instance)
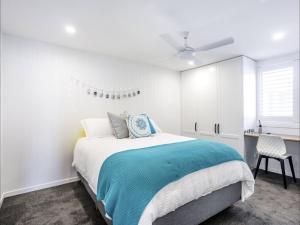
(207, 111)
(189, 99)
(230, 74)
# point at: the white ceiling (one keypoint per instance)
(131, 29)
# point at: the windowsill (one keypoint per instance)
(280, 125)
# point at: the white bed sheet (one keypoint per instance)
(90, 153)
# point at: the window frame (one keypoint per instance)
(280, 122)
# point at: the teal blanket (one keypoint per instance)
(128, 180)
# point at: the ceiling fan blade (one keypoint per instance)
(217, 44)
(167, 38)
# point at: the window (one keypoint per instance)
(278, 94)
(276, 98)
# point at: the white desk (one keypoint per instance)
(283, 136)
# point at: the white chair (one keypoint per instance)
(271, 146)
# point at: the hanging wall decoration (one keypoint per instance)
(105, 94)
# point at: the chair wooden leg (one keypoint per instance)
(283, 173)
(257, 166)
(292, 168)
(266, 165)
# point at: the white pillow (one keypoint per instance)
(96, 127)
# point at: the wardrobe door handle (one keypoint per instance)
(196, 129)
(215, 128)
(218, 128)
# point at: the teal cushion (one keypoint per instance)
(152, 129)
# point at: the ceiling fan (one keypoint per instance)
(189, 53)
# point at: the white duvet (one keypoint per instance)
(90, 153)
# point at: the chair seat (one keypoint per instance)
(278, 156)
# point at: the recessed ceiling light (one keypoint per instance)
(70, 29)
(278, 36)
(191, 62)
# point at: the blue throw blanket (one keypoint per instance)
(128, 180)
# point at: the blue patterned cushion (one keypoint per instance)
(138, 126)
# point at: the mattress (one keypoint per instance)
(90, 153)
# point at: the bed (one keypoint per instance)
(189, 200)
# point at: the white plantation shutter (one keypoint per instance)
(277, 93)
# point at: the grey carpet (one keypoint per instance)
(70, 204)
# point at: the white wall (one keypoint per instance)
(42, 108)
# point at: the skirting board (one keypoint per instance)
(39, 187)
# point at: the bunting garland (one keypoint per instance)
(104, 93)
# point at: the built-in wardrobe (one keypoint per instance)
(219, 101)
